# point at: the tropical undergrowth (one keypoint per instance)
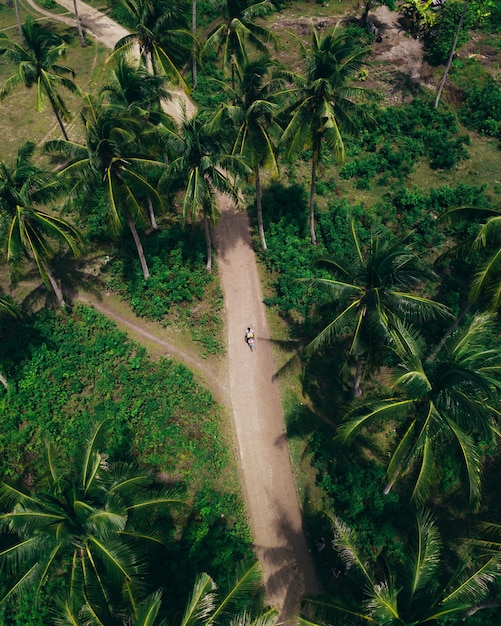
(351, 476)
(179, 291)
(67, 372)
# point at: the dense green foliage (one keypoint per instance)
(442, 36)
(65, 372)
(69, 371)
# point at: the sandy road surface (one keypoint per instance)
(254, 399)
(267, 477)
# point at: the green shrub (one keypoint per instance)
(439, 42)
(354, 490)
(482, 107)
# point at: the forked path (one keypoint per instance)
(254, 398)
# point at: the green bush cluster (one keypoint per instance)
(78, 369)
(417, 130)
(352, 486)
(177, 286)
(290, 260)
(68, 371)
(440, 38)
(481, 109)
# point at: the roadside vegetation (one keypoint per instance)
(376, 212)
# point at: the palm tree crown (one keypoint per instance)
(486, 283)
(115, 153)
(374, 299)
(32, 231)
(87, 522)
(237, 31)
(204, 167)
(324, 104)
(252, 115)
(445, 406)
(162, 34)
(412, 591)
(37, 64)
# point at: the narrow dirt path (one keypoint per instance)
(254, 398)
(267, 478)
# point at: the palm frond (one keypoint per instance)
(471, 459)
(422, 562)
(359, 416)
(248, 579)
(345, 543)
(201, 602)
(425, 478)
(474, 586)
(382, 603)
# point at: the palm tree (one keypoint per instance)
(37, 64)
(135, 89)
(204, 168)
(442, 407)
(253, 116)
(235, 30)
(162, 34)
(452, 52)
(32, 230)
(324, 106)
(88, 523)
(7, 308)
(411, 592)
(132, 86)
(203, 608)
(374, 299)
(83, 43)
(487, 280)
(113, 153)
(18, 19)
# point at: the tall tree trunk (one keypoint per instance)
(139, 246)
(83, 43)
(3, 380)
(58, 118)
(314, 161)
(208, 240)
(259, 210)
(357, 391)
(151, 213)
(18, 20)
(233, 78)
(194, 32)
(57, 290)
(453, 50)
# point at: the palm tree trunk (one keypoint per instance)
(3, 380)
(194, 31)
(357, 391)
(314, 160)
(59, 119)
(151, 213)
(18, 20)
(259, 210)
(56, 288)
(208, 266)
(139, 246)
(83, 43)
(453, 50)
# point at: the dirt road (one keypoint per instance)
(254, 398)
